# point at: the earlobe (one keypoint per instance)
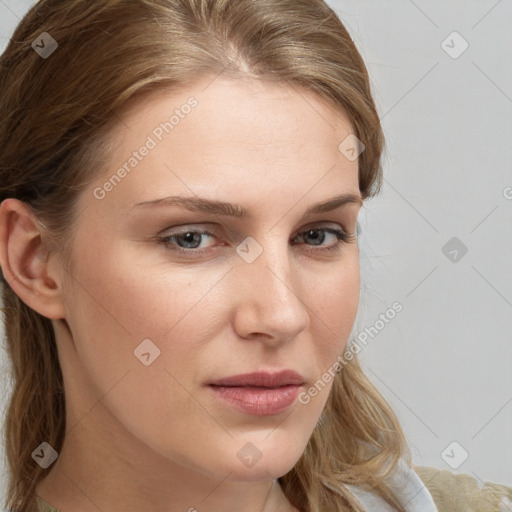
(24, 260)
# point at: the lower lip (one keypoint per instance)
(257, 400)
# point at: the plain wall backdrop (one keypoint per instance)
(438, 238)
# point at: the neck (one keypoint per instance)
(117, 473)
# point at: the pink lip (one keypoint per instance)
(259, 393)
(262, 379)
(258, 400)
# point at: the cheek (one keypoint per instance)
(113, 306)
(333, 311)
(333, 307)
(138, 297)
(117, 304)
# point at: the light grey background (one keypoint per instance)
(445, 361)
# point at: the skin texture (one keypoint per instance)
(155, 438)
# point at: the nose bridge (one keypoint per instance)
(273, 267)
(271, 302)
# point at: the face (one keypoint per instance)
(166, 297)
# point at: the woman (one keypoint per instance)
(181, 181)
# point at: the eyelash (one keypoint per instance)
(341, 238)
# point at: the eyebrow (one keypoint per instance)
(203, 205)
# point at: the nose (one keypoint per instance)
(270, 305)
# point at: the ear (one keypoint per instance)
(25, 260)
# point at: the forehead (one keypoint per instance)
(219, 134)
(242, 110)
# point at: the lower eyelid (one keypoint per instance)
(167, 238)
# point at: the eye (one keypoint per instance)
(318, 235)
(188, 242)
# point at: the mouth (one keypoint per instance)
(259, 393)
(262, 379)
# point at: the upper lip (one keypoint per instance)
(262, 379)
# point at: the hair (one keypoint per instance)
(56, 114)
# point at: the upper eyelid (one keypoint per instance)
(185, 228)
(301, 231)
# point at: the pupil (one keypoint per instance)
(189, 238)
(318, 236)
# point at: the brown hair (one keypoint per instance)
(56, 113)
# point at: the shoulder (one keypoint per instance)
(454, 492)
(408, 487)
(43, 506)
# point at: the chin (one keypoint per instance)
(260, 472)
(272, 464)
